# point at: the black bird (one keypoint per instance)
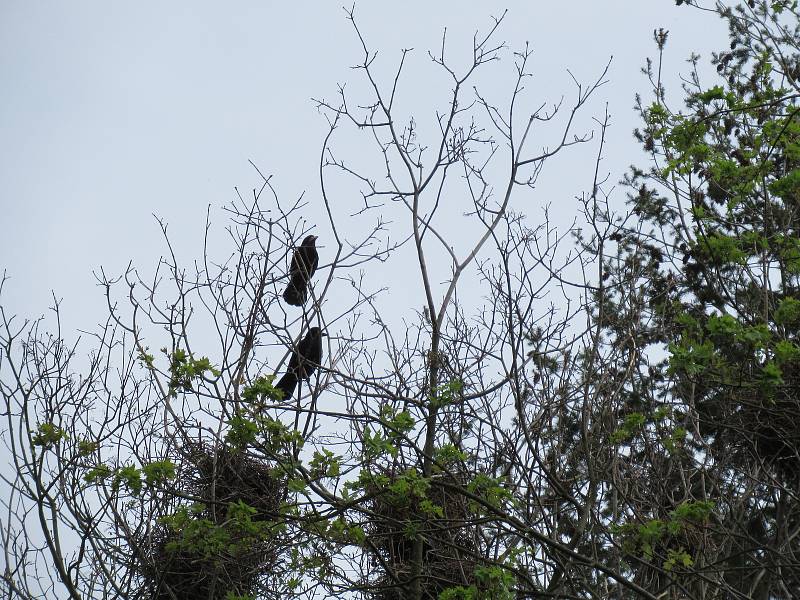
(304, 361)
(304, 263)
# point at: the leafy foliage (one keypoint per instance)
(715, 251)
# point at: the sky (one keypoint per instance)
(114, 112)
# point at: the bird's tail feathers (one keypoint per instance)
(296, 292)
(287, 385)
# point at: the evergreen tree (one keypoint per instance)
(705, 285)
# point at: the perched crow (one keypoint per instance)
(305, 359)
(304, 263)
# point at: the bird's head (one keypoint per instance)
(317, 332)
(310, 240)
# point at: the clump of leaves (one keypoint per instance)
(666, 537)
(48, 435)
(262, 388)
(184, 369)
(132, 478)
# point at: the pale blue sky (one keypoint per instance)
(113, 111)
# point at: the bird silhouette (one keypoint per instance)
(304, 263)
(303, 362)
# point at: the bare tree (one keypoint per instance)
(461, 449)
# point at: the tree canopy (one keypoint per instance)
(607, 411)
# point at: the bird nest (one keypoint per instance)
(225, 542)
(440, 516)
(776, 438)
(224, 476)
(754, 426)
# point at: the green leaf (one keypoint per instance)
(97, 473)
(786, 352)
(48, 436)
(262, 388)
(158, 472)
(297, 485)
(771, 375)
(695, 511)
(715, 93)
(677, 557)
(184, 369)
(788, 312)
(130, 477)
(242, 431)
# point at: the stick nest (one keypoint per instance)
(442, 518)
(220, 546)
